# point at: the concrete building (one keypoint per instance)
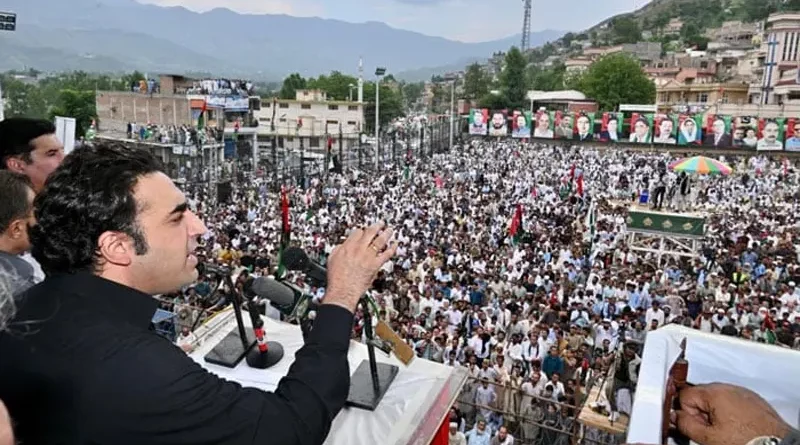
(779, 79)
(696, 96)
(736, 32)
(674, 26)
(577, 65)
(311, 118)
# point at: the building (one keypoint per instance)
(577, 65)
(674, 26)
(736, 32)
(174, 100)
(781, 47)
(309, 119)
(566, 100)
(697, 96)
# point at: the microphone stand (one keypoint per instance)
(371, 380)
(239, 343)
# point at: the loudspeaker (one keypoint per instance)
(224, 192)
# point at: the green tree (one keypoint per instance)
(412, 93)
(79, 105)
(549, 79)
(512, 80)
(567, 39)
(625, 30)
(23, 99)
(391, 106)
(337, 85)
(476, 82)
(494, 101)
(617, 79)
(660, 22)
(290, 86)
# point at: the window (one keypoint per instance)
(266, 104)
(333, 107)
(290, 139)
(313, 142)
(353, 123)
(702, 98)
(703, 65)
(263, 119)
(725, 98)
(352, 108)
(305, 92)
(283, 105)
(305, 106)
(283, 119)
(332, 122)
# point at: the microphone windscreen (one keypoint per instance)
(275, 291)
(294, 258)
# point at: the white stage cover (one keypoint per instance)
(768, 370)
(411, 412)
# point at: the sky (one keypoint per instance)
(463, 20)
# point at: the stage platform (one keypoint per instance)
(591, 419)
(411, 412)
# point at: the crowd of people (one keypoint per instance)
(170, 134)
(512, 262)
(539, 316)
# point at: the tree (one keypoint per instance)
(512, 79)
(290, 86)
(412, 93)
(661, 21)
(391, 106)
(549, 79)
(494, 102)
(476, 82)
(79, 105)
(625, 30)
(23, 99)
(617, 79)
(567, 39)
(337, 85)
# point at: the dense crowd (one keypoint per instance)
(513, 263)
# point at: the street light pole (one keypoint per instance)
(452, 111)
(380, 71)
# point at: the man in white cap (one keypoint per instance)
(456, 437)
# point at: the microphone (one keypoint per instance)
(286, 297)
(294, 258)
(214, 269)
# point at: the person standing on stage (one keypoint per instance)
(112, 231)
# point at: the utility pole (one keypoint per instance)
(341, 149)
(379, 72)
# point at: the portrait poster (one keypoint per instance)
(478, 121)
(770, 135)
(584, 126)
(718, 131)
(564, 125)
(521, 124)
(792, 134)
(543, 126)
(498, 125)
(690, 129)
(641, 128)
(745, 132)
(611, 127)
(665, 129)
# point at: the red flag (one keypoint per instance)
(516, 221)
(580, 185)
(286, 228)
(572, 173)
(534, 193)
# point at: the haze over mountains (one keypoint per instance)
(123, 35)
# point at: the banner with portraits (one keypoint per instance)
(498, 125)
(690, 129)
(611, 127)
(745, 132)
(665, 129)
(478, 121)
(718, 131)
(564, 125)
(641, 128)
(521, 124)
(792, 134)
(584, 127)
(543, 126)
(770, 135)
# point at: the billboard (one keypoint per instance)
(564, 125)
(665, 129)
(611, 127)
(690, 130)
(641, 128)
(745, 131)
(718, 131)
(770, 135)
(499, 123)
(584, 127)
(478, 119)
(793, 129)
(521, 124)
(544, 125)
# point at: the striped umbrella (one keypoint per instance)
(701, 165)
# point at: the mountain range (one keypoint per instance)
(123, 35)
